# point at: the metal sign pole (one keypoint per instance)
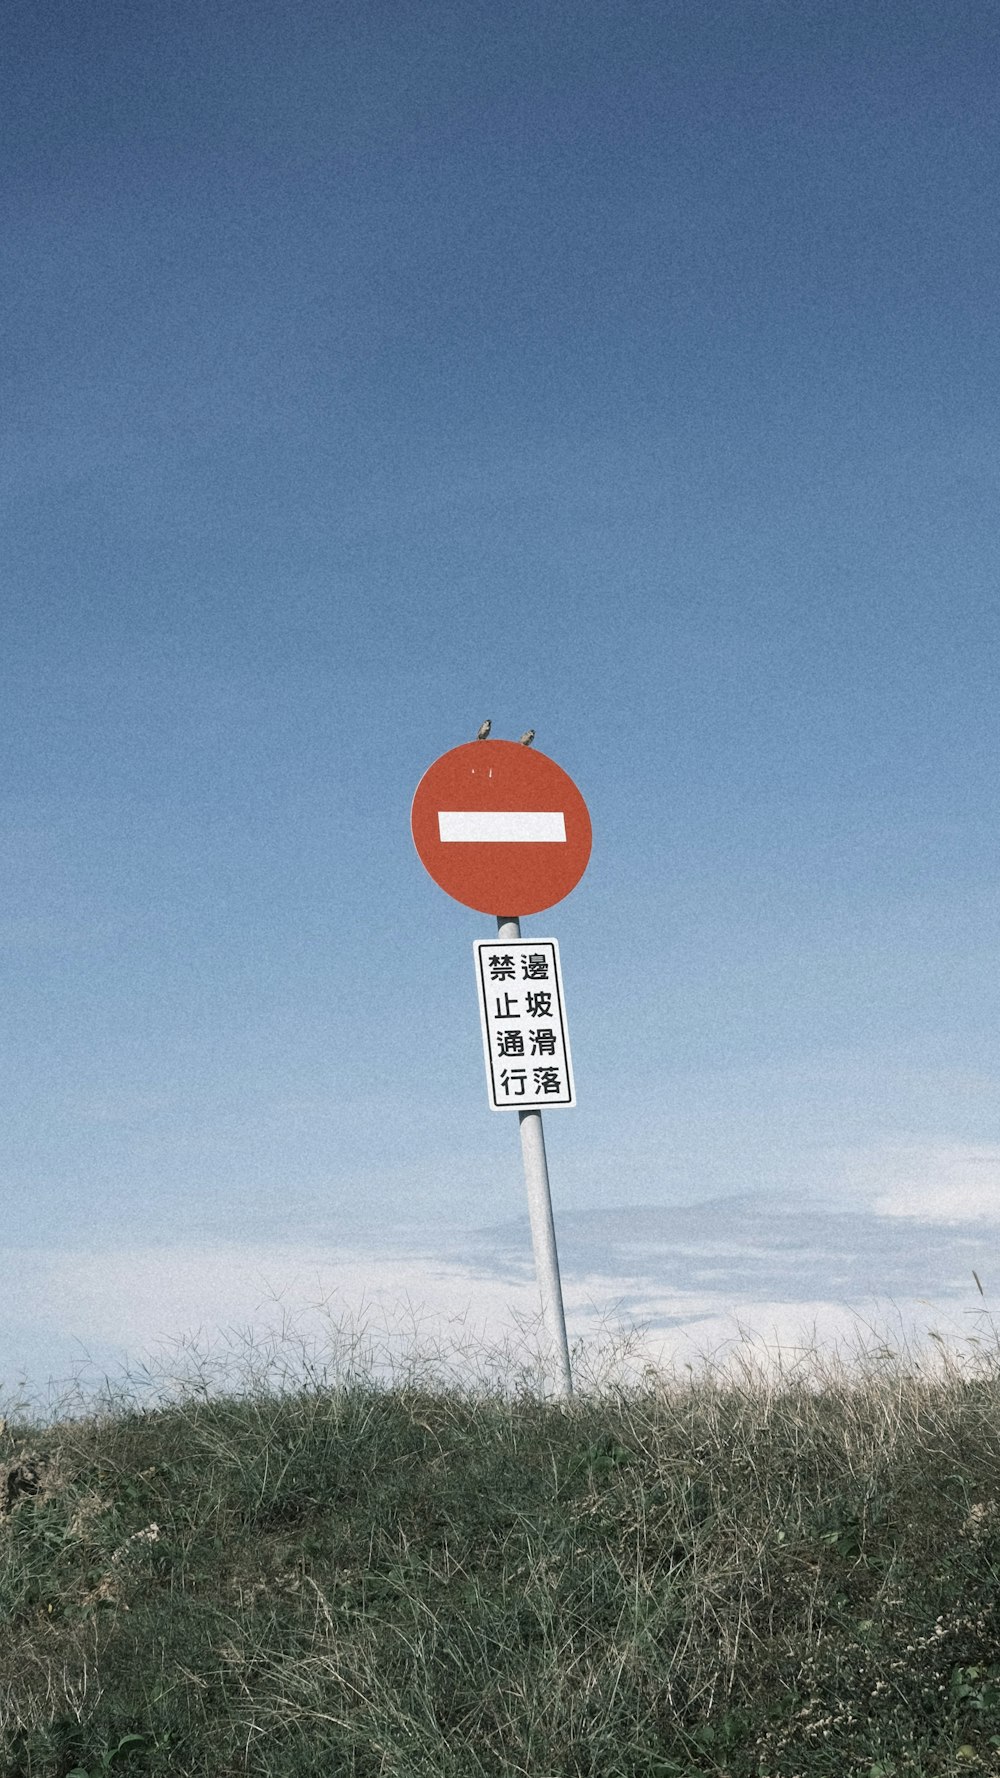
(543, 1234)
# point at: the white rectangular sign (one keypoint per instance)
(523, 1016)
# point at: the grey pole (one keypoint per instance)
(543, 1234)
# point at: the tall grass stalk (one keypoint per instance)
(416, 1566)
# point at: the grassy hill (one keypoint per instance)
(730, 1575)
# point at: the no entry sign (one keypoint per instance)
(501, 828)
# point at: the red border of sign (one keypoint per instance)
(505, 877)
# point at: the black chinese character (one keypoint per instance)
(501, 967)
(517, 1076)
(535, 967)
(539, 1004)
(543, 1041)
(506, 1011)
(510, 1043)
(546, 1080)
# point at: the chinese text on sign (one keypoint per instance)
(523, 1016)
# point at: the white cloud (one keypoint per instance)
(160, 1308)
(933, 1182)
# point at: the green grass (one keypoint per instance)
(330, 1572)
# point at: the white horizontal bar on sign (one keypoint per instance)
(501, 824)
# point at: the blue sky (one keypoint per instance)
(626, 372)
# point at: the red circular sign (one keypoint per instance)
(501, 828)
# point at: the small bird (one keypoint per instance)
(527, 737)
(483, 730)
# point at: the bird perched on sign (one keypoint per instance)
(483, 730)
(527, 737)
